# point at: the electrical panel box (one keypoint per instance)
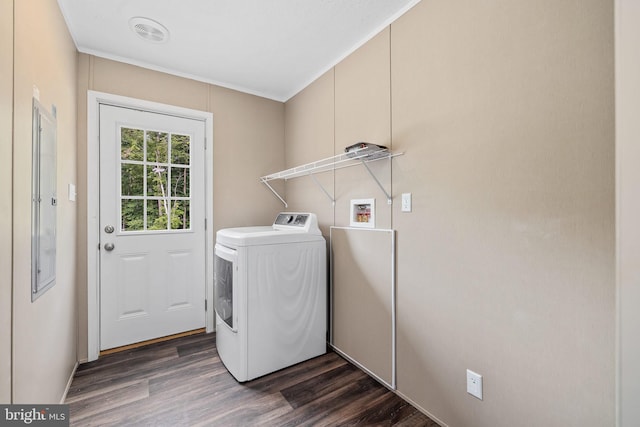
(44, 201)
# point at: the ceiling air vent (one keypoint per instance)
(149, 30)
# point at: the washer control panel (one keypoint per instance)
(297, 221)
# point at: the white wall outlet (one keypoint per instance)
(406, 202)
(474, 384)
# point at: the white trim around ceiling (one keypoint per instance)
(148, 66)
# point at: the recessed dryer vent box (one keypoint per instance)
(363, 213)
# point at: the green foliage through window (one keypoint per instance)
(155, 180)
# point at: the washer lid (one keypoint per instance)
(251, 236)
(288, 227)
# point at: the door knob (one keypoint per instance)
(109, 246)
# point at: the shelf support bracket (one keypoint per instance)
(389, 201)
(264, 181)
(333, 201)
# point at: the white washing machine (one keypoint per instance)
(271, 295)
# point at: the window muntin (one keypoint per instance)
(155, 185)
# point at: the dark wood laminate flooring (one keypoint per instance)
(182, 382)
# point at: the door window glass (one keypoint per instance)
(155, 185)
(132, 215)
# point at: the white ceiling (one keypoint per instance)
(270, 48)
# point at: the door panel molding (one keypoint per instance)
(94, 100)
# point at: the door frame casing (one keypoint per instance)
(94, 100)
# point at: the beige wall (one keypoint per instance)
(6, 150)
(44, 332)
(248, 142)
(248, 138)
(309, 130)
(506, 115)
(362, 97)
(628, 205)
(504, 111)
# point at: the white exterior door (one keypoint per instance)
(152, 225)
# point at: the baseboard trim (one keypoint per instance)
(66, 389)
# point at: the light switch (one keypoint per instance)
(474, 384)
(72, 192)
(406, 202)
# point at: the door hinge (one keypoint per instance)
(205, 304)
(205, 224)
